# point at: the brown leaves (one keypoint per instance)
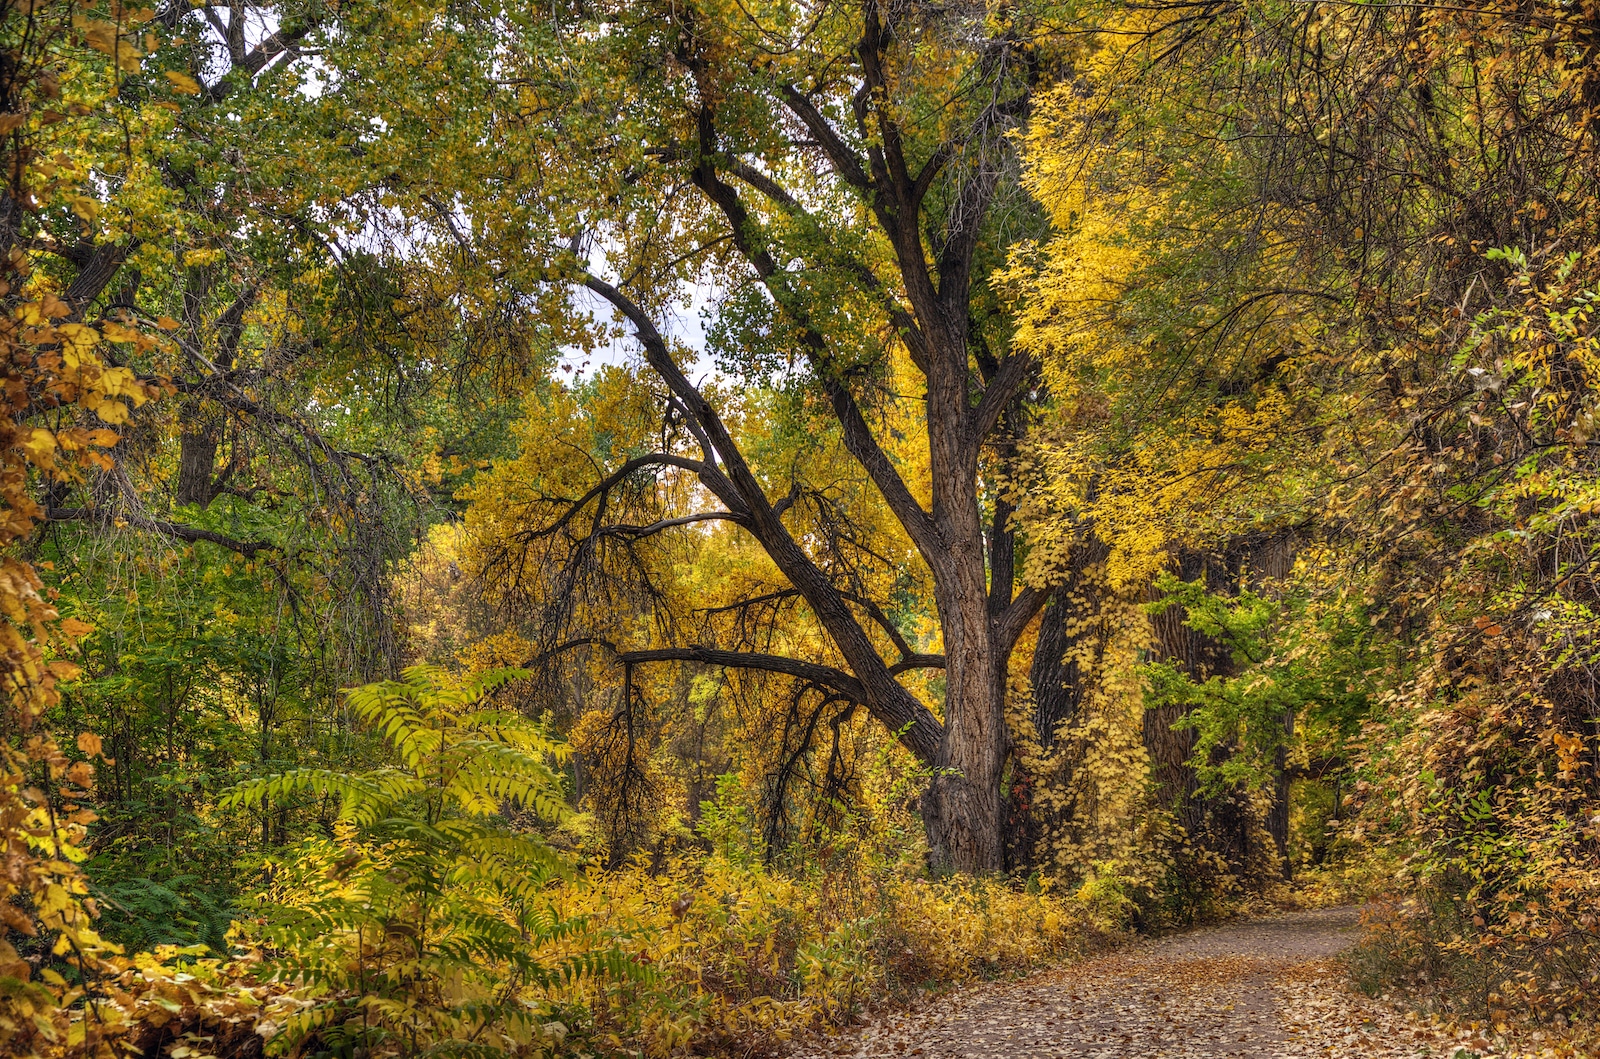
(1261, 990)
(1210, 993)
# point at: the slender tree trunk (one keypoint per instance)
(1278, 818)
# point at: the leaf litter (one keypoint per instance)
(1262, 989)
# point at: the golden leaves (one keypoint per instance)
(40, 444)
(52, 362)
(182, 82)
(1569, 749)
(106, 38)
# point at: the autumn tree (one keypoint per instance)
(844, 173)
(323, 394)
(1351, 245)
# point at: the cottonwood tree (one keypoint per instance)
(289, 315)
(844, 171)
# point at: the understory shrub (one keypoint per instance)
(1448, 960)
(741, 956)
(425, 922)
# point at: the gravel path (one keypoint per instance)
(1262, 989)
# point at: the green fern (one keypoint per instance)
(423, 924)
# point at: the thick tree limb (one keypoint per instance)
(98, 268)
(835, 680)
(1008, 625)
(922, 733)
(284, 41)
(1001, 388)
(919, 661)
(857, 434)
(699, 410)
(846, 163)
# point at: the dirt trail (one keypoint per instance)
(1262, 989)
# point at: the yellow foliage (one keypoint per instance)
(1093, 779)
(737, 951)
(1147, 445)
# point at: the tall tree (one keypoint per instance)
(839, 169)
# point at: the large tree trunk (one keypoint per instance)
(1223, 824)
(1069, 649)
(930, 311)
(962, 809)
(1267, 561)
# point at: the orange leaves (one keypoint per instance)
(81, 437)
(183, 83)
(106, 38)
(74, 629)
(1568, 750)
(47, 307)
(115, 332)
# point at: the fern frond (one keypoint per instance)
(489, 773)
(513, 729)
(362, 798)
(427, 916)
(393, 709)
(512, 860)
(490, 680)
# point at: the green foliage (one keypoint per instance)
(1294, 670)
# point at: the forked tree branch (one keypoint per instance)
(739, 490)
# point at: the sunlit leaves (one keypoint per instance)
(426, 913)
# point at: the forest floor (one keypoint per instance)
(1258, 989)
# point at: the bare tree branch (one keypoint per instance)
(640, 532)
(176, 530)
